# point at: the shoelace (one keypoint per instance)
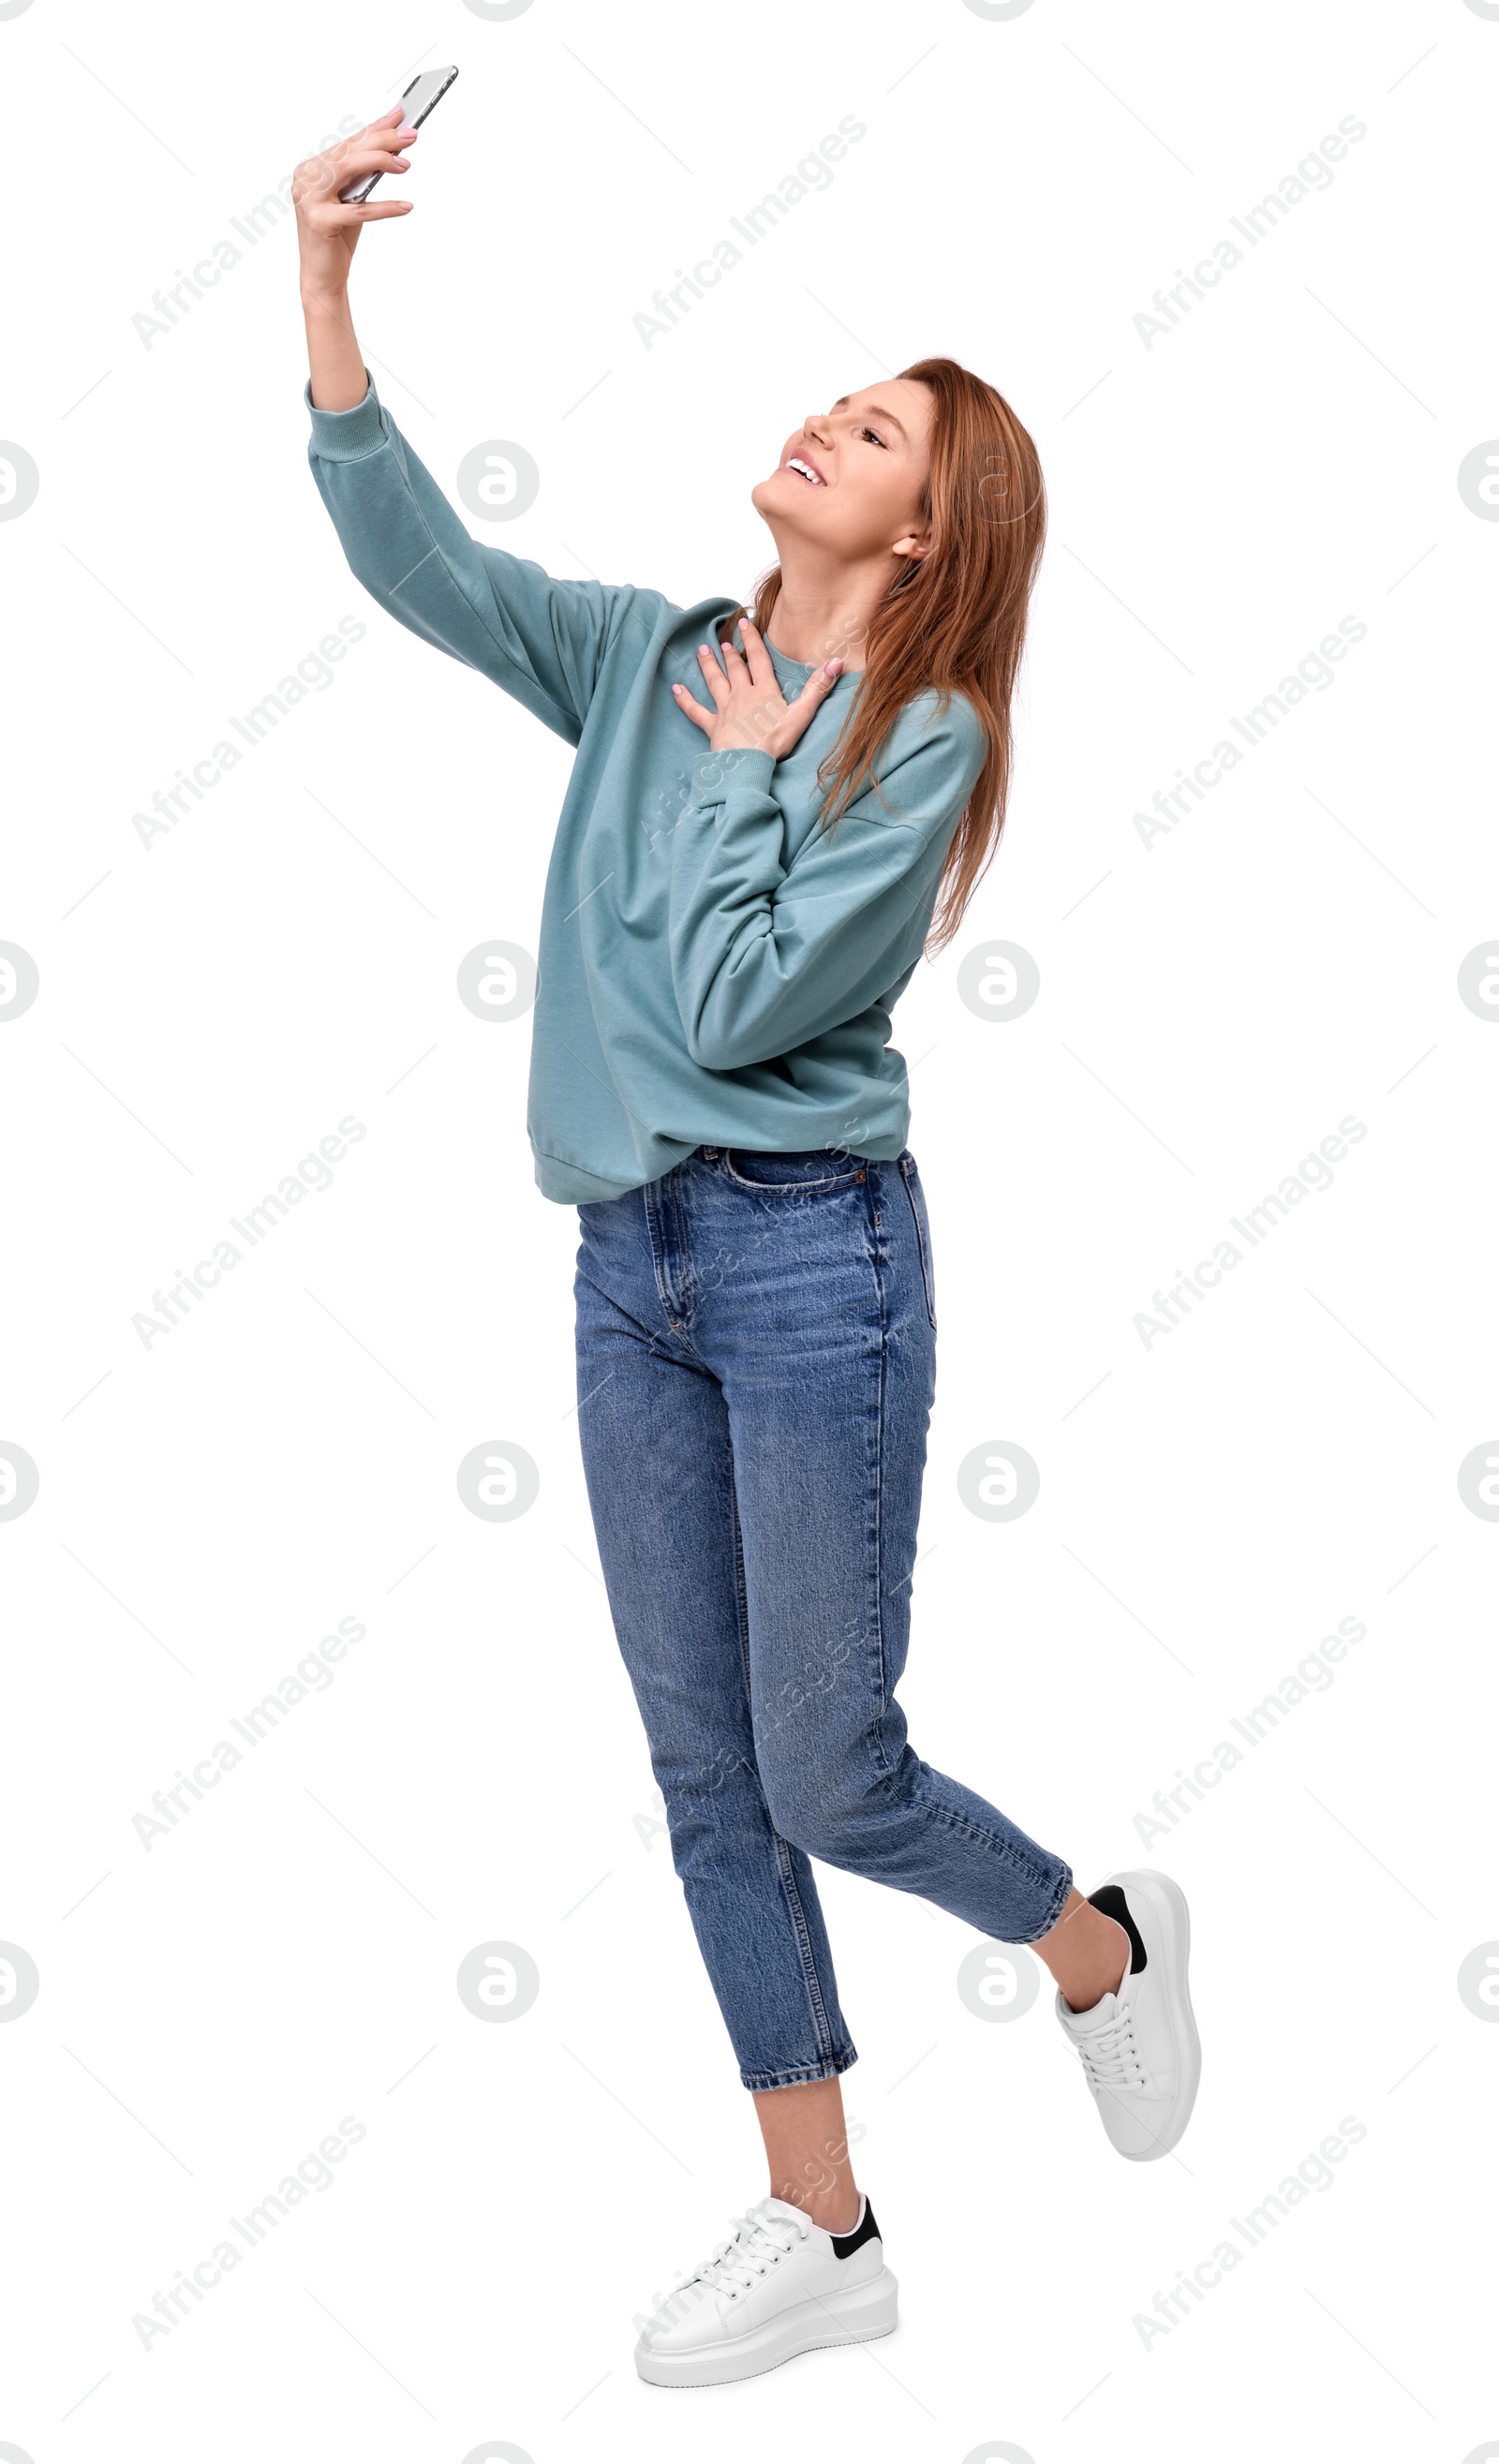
(1110, 2055)
(758, 2241)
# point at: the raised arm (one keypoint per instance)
(327, 234)
(541, 639)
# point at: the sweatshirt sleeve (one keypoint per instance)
(765, 957)
(541, 640)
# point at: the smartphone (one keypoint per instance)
(420, 97)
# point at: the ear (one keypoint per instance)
(915, 543)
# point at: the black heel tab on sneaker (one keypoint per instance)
(1110, 1901)
(845, 2244)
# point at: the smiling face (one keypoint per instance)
(850, 481)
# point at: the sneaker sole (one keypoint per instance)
(1169, 1900)
(857, 2316)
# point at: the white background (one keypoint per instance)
(1211, 1006)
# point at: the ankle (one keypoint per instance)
(840, 2217)
(1104, 1975)
(834, 2211)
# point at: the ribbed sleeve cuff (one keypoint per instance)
(347, 435)
(742, 766)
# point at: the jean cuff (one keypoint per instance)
(758, 2081)
(1058, 1901)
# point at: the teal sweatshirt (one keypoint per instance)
(713, 967)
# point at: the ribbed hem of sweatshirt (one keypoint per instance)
(572, 1184)
(743, 763)
(347, 435)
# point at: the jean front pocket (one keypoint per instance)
(810, 1173)
(912, 1181)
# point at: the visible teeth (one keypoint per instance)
(807, 473)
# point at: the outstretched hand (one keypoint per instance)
(750, 713)
(327, 229)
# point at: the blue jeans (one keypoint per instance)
(756, 1368)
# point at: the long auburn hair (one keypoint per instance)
(951, 621)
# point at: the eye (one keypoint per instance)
(871, 434)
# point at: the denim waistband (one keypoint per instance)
(793, 1168)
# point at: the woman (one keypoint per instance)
(756, 839)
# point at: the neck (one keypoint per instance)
(823, 610)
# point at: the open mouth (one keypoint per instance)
(805, 470)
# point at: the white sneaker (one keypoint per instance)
(1140, 2046)
(779, 2286)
